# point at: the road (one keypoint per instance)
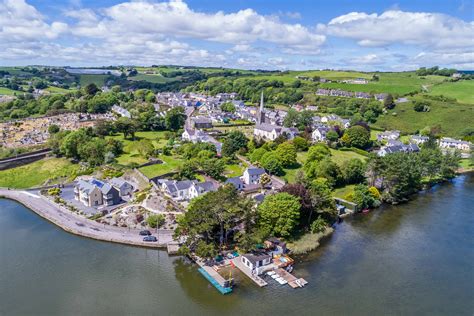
(78, 225)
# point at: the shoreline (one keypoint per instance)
(80, 226)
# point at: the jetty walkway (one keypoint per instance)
(78, 225)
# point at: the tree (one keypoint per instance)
(257, 154)
(53, 129)
(388, 102)
(187, 170)
(319, 225)
(300, 143)
(363, 197)
(304, 196)
(356, 136)
(332, 136)
(279, 214)
(322, 200)
(353, 171)
(286, 152)
(265, 179)
(155, 220)
(228, 107)
(126, 126)
(271, 163)
(175, 118)
(92, 151)
(234, 142)
(421, 106)
(318, 152)
(213, 167)
(91, 89)
(145, 148)
(212, 219)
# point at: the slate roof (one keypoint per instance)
(255, 171)
(256, 257)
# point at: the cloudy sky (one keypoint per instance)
(265, 34)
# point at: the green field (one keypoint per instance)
(171, 164)
(338, 156)
(7, 91)
(452, 117)
(462, 91)
(58, 90)
(131, 154)
(99, 80)
(399, 83)
(152, 78)
(36, 173)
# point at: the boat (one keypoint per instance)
(270, 273)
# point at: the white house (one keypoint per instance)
(256, 262)
(271, 132)
(388, 135)
(418, 139)
(186, 189)
(319, 133)
(252, 175)
(447, 142)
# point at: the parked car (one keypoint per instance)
(145, 233)
(150, 239)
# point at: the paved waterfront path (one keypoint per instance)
(78, 225)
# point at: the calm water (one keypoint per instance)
(417, 258)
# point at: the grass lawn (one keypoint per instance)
(171, 164)
(99, 80)
(234, 170)
(462, 90)
(7, 91)
(337, 156)
(58, 90)
(36, 173)
(342, 192)
(131, 154)
(466, 164)
(451, 116)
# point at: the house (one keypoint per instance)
(121, 111)
(256, 262)
(193, 135)
(380, 96)
(385, 150)
(95, 193)
(201, 122)
(200, 188)
(186, 189)
(271, 132)
(447, 142)
(418, 139)
(252, 175)
(456, 75)
(275, 246)
(319, 133)
(237, 182)
(388, 135)
(177, 190)
(330, 118)
(124, 188)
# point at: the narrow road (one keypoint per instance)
(78, 225)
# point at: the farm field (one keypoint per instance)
(37, 173)
(7, 91)
(452, 117)
(58, 90)
(395, 83)
(99, 80)
(462, 91)
(152, 78)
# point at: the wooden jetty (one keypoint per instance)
(240, 265)
(293, 281)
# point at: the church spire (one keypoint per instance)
(261, 113)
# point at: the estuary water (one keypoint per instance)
(412, 259)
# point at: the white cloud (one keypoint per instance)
(462, 59)
(370, 59)
(176, 19)
(414, 28)
(20, 22)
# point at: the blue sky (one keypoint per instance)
(361, 35)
